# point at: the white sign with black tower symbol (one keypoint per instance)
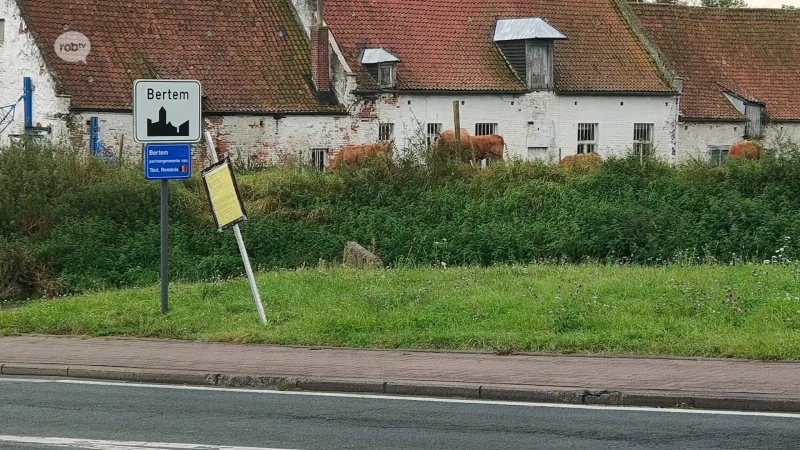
(167, 111)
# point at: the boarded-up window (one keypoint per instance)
(319, 158)
(386, 132)
(482, 129)
(753, 128)
(538, 65)
(433, 130)
(537, 153)
(587, 138)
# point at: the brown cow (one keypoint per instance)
(746, 149)
(355, 155)
(488, 145)
(448, 137)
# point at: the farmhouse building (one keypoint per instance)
(252, 58)
(302, 78)
(740, 71)
(554, 78)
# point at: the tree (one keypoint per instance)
(706, 3)
(723, 3)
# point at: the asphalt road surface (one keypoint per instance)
(47, 414)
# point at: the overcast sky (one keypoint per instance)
(771, 3)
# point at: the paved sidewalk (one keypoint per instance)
(727, 378)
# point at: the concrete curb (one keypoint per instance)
(520, 393)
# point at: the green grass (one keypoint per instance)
(746, 311)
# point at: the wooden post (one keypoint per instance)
(121, 147)
(457, 120)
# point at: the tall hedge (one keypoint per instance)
(70, 223)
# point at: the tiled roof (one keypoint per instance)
(447, 44)
(249, 55)
(754, 53)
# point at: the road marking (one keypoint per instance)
(409, 398)
(92, 444)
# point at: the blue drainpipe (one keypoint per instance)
(27, 90)
(94, 133)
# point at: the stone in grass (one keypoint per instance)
(357, 256)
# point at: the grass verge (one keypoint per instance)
(746, 311)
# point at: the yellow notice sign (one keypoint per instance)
(223, 194)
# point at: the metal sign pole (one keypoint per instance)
(167, 152)
(164, 245)
(250, 276)
(212, 153)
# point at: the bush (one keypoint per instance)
(72, 223)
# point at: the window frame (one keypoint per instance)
(431, 135)
(320, 166)
(482, 127)
(392, 74)
(721, 157)
(383, 134)
(585, 145)
(643, 147)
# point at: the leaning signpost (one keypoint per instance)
(167, 118)
(228, 209)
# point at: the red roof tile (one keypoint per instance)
(754, 53)
(447, 44)
(249, 55)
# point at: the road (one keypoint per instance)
(43, 414)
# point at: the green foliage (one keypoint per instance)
(741, 311)
(71, 223)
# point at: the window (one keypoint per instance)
(482, 129)
(386, 75)
(643, 139)
(386, 132)
(718, 154)
(2, 31)
(587, 138)
(433, 130)
(537, 153)
(319, 158)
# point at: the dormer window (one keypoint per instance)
(753, 110)
(527, 45)
(381, 65)
(386, 74)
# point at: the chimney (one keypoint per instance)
(678, 82)
(320, 53)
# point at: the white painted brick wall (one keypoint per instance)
(19, 58)
(539, 119)
(616, 117)
(306, 12)
(263, 137)
(778, 132)
(695, 137)
(266, 138)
